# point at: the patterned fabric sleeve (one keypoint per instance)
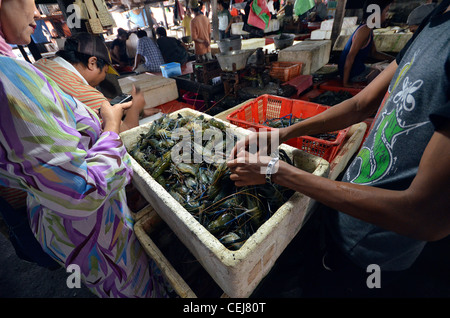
(46, 145)
(52, 147)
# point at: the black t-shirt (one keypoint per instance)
(436, 18)
(172, 50)
(122, 49)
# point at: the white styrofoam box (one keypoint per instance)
(349, 30)
(326, 35)
(327, 25)
(150, 118)
(157, 89)
(385, 42)
(236, 272)
(236, 28)
(254, 43)
(274, 25)
(318, 34)
(313, 54)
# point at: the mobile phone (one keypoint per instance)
(122, 98)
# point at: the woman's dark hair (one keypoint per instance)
(381, 3)
(141, 34)
(161, 31)
(121, 32)
(71, 55)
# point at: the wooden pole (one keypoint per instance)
(215, 20)
(161, 5)
(338, 19)
(148, 15)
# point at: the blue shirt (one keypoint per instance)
(150, 51)
(358, 65)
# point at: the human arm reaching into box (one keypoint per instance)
(393, 191)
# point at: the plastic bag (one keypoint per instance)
(259, 15)
(303, 6)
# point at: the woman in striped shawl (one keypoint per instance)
(73, 170)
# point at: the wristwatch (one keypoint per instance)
(270, 169)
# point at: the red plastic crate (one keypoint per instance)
(173, 106)
(336, 85)
(285, 71)
(254, 113)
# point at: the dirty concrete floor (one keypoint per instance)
(22, 279)
(429, 278)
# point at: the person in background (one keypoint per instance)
(119, 52)
(225, 21)
(82, 66)
(172, 49)
(417, 15)
(148, 52)
(360, 46)
(272, 10)
(201, 35)
(288, 10)
(74, 171)
(186, 23)
(207, 5)
(276, 7)
(394, 197)
(153, 24)
(319, 12)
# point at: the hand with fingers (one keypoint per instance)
(133, 112)
(263, 142)
(252, 169)
(112, 115)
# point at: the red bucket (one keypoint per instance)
(195, 99)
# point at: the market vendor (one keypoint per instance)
(319, 12)
(394, 196)
(119, 52)
(201, 35)
(148, 55)
(360, 46)
(225, 20)
(73, 170)
(172, 49)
